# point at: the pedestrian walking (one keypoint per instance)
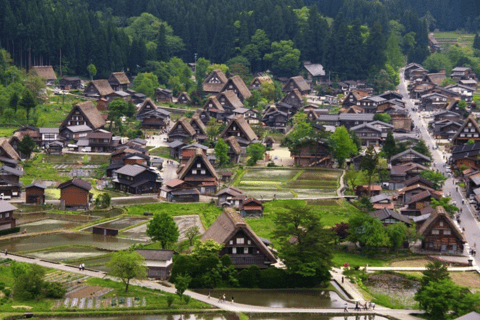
(6, 251)
(356, 306)
(343, 279)
(80, 267)
(208, 295)
(232, 299)
(373, 305)
(346, 307)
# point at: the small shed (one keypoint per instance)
(251, 207)
(55, 147)
(159, 262)
(35, 193)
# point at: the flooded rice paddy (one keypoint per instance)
(67, 254)
(227, 316)
(120, 223)
(287, 298)
(47, 225)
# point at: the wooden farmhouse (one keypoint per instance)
(147, 106)
(176, 190)
(182, 131)
(35, 193)
(136, 179)
(468, 131)
(84, 113)
(298, 83)
(251, 208)
(214, 82)
(241, 130)
(159, 262)
(243, 246)
(212, 109)
(440, 233)
(239, 87)
(7, 221)
(354, 97)
(420, 201)
(314, 154)
(257, 82)
(118, 81)
(293, 98)
(409, 155)
(157, 119)
(229, 101)
(200, 173)
(7, 151)
(98, 89)
(164, 95)
(199, 127)
(389, 216)
(10, 181)
(46, 73)
(466, 154)
(184, 98)
(70, 83)
(75, 194)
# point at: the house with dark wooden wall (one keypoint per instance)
(176, 190)
(239, 87)
(46, 73)
(136, 179)
(164, 95)
(84, 113)
(70, 83)
(35, 193)
(200, 173)
(214, 82)
(243, 246)
(10, 184)
(75, 194)
(184, 98)
(118, 81)
(468, 131)
(159, 262)
(98, 89)
(314, 154)
(229, 101)
(298, 83)
(7, 221)
(181, 131)
(157, 119)
(241, 130)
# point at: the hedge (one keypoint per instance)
(9, 231)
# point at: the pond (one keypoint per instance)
(47, 225)
(65, 239)
(119, 224)
(399, 289)
(284, 298)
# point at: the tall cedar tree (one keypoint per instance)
(162, 48)
(375, 47)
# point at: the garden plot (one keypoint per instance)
(288, 184)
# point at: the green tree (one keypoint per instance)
(382, 81)
(191, 233)
(438, 298)
(384, 117)
(146, 83)
(26, 146)
(476, 42)
(201, 71)
(256, 151)
(117, 108)
(310, 253)
(28, 102)
(14, 100)
(221, 153)
(284, 57)
(367, 230)
(397, 233)
(445, 203)
(162, 228)
(462, 105)
(352, 177)
(18, 268)
(393, 51)
(162, 47)
(375, 46)
(206, 248)
(438, 61)
(103, 200)
(92, 70)
(268, 91)
(369, 165)
(29, 286)
(389, 147)
(434, 271)
(422, 148)
(181, 284)
(437, 178)
(127, 265)
(213, 130)
(343, 145)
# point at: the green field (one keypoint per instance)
(462, 39)
(289, 183)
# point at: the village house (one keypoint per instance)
(406, 194)
(182, 131)
(214, 82)
(10, 184)
(411, 67)
(447, 115)
(176, 148)
(234, 150)
(31, 131)
(200, 173)
(7, 151)
(257, 82)
(49, 135)
(118, 81)
(251, 116)
(298, 83)
(241, 130)
(164, 95)
(409, 155)
(147, 106)
(229, 101)
(433, 101)
(158, 262)
(251, 208)
(136, 179)
(98, 89)
(101, 141)
(445, 129)
(435, 78)
(440, 233)
(122, 95)
(124, 156)
(55, 147)
(402, 172)
(189, 151)
(312, 154)
(463, 73)
(184, 98)
(275, 119)
(75, 194)
(212, 109)
(468, 131)
(75, 133)
(157, 119)
(239, 87)
(418, 74)
(469, 83)
(420, 201)
(472, 183)
(176, 190)
(348, 120)
(294, 99)
(35, 193)
(466, 154)
(83, 113)
(372, 133)
(382, 201)
(46, 72)
(370, 104)
(390, 216)
(243, 246)
(465, 91)
(315, 72)
(70, 83)
(7, 221)
(230, 197)
(353, 98)
(368, 191)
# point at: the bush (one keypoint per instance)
(2, 285)
(186, 299)
(273, 278)
(226, 260)
(248, 278)
(54, 290)
(7, 292)
(170, 300)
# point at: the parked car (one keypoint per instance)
(4, 197)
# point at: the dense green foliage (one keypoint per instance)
(127, 265)
(162, 228)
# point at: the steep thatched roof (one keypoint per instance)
(440, 213)
(102, 86)
(45, 72)
(234, 144)
(215, 81)
(199, 154)
(90, 112)
(231, 97)
(120, 77)
(243, 125)
(8, 149)
(237, 83)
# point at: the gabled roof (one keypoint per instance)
(385, 213)
(418, 179)
(45, 72)
(461, 69)
(438, 214)
(131, 170)
(216, 104)
(6, 206)
(401, 170)
(243, 125)
(297, 94)
(470, 119)
(240, 85)
(11, 170)
(102, 86)
(121, 77)
(359, 94)
(76, 182)
(8, 149)
(436, 78)
(423, 195)
(195, 146)
(227, 225)
(36, 185)
(199, 154)
(316, 70)
(410, 151)
(234, 144)
(262, 80)
(184, 94)
(231, 98)
(156, 254)
(173, 183)
(158, 113)
(235, 192)
(215, 87)
(300, 82)
(380, 197)
(90, 112)
(186, 126)
(147, 102)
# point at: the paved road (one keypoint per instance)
(234, 307)
(468, 221)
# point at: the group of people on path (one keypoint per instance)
(222, 298)
(359, 306)
(81, 267)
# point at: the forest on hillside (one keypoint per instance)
(349, 37)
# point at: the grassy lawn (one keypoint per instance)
(163, 152)
(462, 38)
(208, 213)
(6, 131)
(40, 169)
(466, 279)
(341, 257)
